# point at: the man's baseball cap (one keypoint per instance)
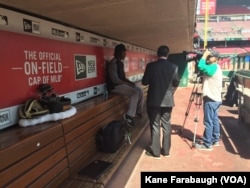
(214, 53)
(120, 48)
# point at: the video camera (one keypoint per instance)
(196, 55)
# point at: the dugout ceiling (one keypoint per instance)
(145, 23)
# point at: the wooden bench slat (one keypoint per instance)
(57, 181)
(56, 175)
(15, 135)
(35, 173)
(82, 155)
(30, 144)
(31, 161)
(83, 115)
(111, 113)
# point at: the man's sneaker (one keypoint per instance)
(150, 154)
(216, 143)
(203, 147)
(129, 120)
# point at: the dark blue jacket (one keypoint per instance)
(162, 78)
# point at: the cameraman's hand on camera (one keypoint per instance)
(206, 54)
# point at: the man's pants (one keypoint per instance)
(160, 117)
(135, 95)
(211, 121)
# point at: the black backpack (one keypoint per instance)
(110, 137)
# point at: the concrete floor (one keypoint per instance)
(232, 155)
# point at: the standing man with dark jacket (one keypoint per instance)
(118, 83)
(162, 78)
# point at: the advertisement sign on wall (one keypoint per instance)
(203, 5)
(34, 51)
(74, 70)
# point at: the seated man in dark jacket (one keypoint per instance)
(118, 83)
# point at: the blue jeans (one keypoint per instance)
(211, 121)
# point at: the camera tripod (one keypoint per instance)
(196, 96)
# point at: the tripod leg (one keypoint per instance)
(196, 120)
(191, 99)
(186, 114)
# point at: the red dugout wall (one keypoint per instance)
(74, 69)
